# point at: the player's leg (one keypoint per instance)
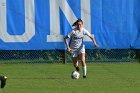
(74, 56)
(3, 81)
(75, 63)
(83, 62)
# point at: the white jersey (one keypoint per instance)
(76, 38)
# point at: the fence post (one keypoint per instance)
(138, 54)
(65, 56)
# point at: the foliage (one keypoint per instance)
(94, 55)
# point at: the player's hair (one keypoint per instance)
(78, 20)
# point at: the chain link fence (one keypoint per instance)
(61, 56)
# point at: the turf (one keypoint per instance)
(55, 78)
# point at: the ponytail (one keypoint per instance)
(78, 20)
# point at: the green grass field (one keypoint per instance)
(55, 78)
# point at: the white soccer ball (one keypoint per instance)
(75, 75)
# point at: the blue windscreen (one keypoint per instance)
(42, 24)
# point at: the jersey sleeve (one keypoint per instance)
(69, 34)
(86, 33)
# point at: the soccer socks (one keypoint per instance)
(84, 71)
(77, 69)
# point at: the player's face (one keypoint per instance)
(79, 25)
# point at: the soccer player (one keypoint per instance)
(76, 46)
(3, 81)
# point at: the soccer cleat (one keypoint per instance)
(77, 69)
(84, 76)
(3, 81)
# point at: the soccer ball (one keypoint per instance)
(75, 75)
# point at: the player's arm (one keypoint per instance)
(67, 43)
(94, 41)
(91, 37)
